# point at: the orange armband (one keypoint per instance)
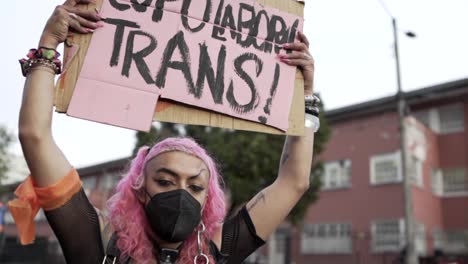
(30, 199)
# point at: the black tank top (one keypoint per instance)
(76, 225)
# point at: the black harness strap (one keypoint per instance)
(167, 256)
(113, 252)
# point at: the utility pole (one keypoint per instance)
(410, 256)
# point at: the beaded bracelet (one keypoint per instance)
(312, 105)
(41, 57)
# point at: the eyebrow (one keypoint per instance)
(175, 175)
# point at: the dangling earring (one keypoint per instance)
(200, 254)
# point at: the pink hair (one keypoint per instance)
(127, 214)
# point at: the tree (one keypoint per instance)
(248, 160)
(5, 140)
(156, 133)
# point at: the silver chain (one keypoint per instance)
(200, 255)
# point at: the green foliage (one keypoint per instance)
(5, 140)
(248, 161)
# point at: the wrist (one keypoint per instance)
(48, 42)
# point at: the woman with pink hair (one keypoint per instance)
(170, 206)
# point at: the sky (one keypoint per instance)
(351, 41)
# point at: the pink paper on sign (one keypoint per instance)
(217, 64)
(127, 108)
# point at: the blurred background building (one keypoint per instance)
(359, 217)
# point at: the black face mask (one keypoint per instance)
(173, 215)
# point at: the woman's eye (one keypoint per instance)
(196, 188)
(164, 183)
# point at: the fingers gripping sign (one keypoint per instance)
(300, 57)
(69, 18)
(73, 3)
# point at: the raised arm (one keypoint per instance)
(269, 208)
(44, 158)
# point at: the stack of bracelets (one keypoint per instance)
(312, 112)
(41, 57)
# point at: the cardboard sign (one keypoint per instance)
(218, 55)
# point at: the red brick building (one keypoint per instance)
(359, 217)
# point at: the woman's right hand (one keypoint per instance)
(69, 18)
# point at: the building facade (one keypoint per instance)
(360, 215)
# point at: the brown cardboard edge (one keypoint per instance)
(180, 113)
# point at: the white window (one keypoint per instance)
(451, 118)
(337, 174)
(385, 168)
(451, 241)
(455, 180)
(443, 120)
(456, 242)
(327, 238)
(387, 235)
(450, 182)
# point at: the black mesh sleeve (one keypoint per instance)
(76, 225)
(239, 238)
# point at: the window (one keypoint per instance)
(455, 180)
(387, 235)
(449, 181)
(443, 120)
(386, 168)
(456, 242)
(451, 118)
(451, 241)
(337, 174)
(327, 238)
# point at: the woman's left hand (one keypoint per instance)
(301, 57)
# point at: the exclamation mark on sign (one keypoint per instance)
(266, 109)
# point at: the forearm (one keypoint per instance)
(296, 160)
(36, 109)
(45, 160)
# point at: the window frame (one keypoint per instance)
(383, 249)
(343, 178)
(396, 156)
(340, 243)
